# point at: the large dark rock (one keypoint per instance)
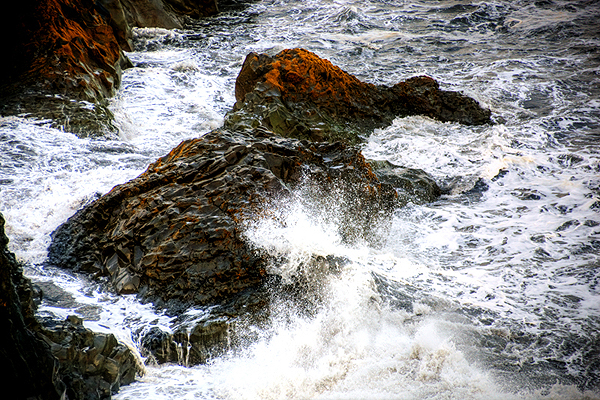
(62, 61)
(26, 364)
(64, 58)
(297, 94)
(52, 359)
(175, 233)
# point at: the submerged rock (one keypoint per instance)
(297, 94)
(412, 184)
(53, 359)
(174, 235)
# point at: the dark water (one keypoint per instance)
(490, 292)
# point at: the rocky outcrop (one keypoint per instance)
(167, 14)
(25, 361)
(64, 58)
(297, 94)
(53, 359)
(62, 52)
(175, 233)
(92, 365)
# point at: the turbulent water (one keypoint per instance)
(492, 291)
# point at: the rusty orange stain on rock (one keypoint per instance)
(71, 46)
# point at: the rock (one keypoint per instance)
(194, 8)
(92, 365)
(27, 366)
(297, 94)
(64, 58)
(119, 22)
(166, 14)
(51, 360)
(64, 61)
(175, 233)
(187, 346)
(238, 322)
(413, 185)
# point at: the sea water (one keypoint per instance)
(492, 291)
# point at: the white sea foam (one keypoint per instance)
(492, 294)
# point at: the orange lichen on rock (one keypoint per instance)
(301, 75)
(305, 72)
(74, 46)
(66, 47)
(306, 84)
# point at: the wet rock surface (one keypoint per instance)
(413, 185)
(167, 14)
(26, 362)
(175, 234)
(238, 322)
(64, 58)
(298, 94)
(62, 51)
(50, 359)
(92, 365)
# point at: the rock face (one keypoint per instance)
(64, 58)
(26, 362)
(298, 94)
(52, 359)
(175, 233)
(167, 14)
(67, 46)
(62, 50)
(92, 365)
